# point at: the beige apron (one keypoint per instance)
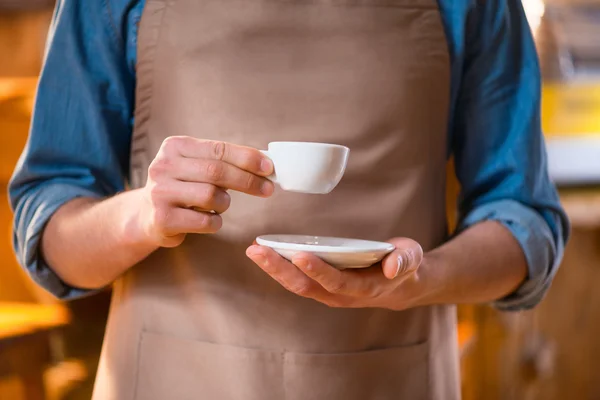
(202, 321)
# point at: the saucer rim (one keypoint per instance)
(377, 247)
(316, 144)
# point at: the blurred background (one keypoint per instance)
(49, 350)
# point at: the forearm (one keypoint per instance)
(482, 264)
(183, 195)
(89, 243)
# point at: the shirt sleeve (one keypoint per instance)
(499, 149)
(78, 144)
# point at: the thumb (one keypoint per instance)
(405, 260)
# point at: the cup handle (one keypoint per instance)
(272, 177)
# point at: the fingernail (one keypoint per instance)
(266, 188)
(266, 165)
(401, 263)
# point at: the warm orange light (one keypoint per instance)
(20, 89)
(16, 87)
(22, 318)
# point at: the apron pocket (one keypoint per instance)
(410, 4)
(172, 368)
(393, 373)
(181, 369)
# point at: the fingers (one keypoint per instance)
(221, 174)
(245, 158)
(188, 181)
(405, 260)
(286, 273)
(364, 283)
(309, 276)
(193, 195)
(166, 223)
(170, 221)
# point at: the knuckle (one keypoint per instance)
(203, 222)
(209, 223)
(160, 218)
(251, 182)
(208, 194)
(153, 171)
(339, 286)
(157, 192)
(214, 171)
(158, 167)
(302, 288)
(373, 291)
(218, 149)
(171, 144)
(250, 160)
(197, 167)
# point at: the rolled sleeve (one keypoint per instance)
(78, 144)
(499, 149)
(31, 217)
(542, 247)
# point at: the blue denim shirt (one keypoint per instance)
(82, 124)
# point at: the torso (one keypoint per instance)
(202, 321)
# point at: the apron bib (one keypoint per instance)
(201, 321)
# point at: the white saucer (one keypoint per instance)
(339, 252)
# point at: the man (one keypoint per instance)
(139, 127)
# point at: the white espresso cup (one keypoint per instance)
(307, 167)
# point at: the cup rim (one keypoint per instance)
(316, 144)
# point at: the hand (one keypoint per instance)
(187, 187)
(391, 284)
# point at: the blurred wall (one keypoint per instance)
(22, 39)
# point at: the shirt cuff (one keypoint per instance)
(30, 220)
(542, 247)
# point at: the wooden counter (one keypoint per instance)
(582, 206)
(23, 319)
(16, 103)
(551, 352)
(25, 344)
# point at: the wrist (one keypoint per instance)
(429, 282)
(133, 230)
